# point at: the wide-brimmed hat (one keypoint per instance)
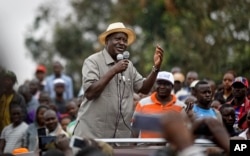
(115, 28)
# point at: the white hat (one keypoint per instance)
(192, 85)
(115, 28)
(58, 81)
(163, 75)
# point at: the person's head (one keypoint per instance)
(57, 68)
(44, 98)
(175, 70)
(72, 108)
(59, 86)
(40, 72)
(16, 114)
(179, 78)
(39, 114)
(240, 86)
(51, 120)
(9, 79)
(34, 86)
(65, 120)
(24, 90)
(228, 114)
(228, 79)
(216, 104)
(203, 94)
(116, 38)
(164, 84)
(190, 77)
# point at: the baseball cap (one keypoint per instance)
(167, 76)
(41, 68)
(241, 80)
(179, 77)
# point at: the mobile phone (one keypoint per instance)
(46, 142)
(147, 122)
(41, 131)
(77, 142)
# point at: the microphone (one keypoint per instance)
(126, 55)
(119, 57)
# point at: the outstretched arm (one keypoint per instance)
(150, 80)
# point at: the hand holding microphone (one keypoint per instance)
(122, 62)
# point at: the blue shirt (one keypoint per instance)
(201, 113)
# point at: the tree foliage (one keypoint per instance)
(208, 36)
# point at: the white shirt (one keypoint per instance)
(13, 136)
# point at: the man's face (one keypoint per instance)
(228, 116)
(116, 43)
(163, 88)
(239, 90)
(57, 68)
(8, 82)
(204, 94)
(72, 109)
(16, 115)
(191, 77)
(51, 120)
(59, 89)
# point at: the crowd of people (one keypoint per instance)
(113, 94)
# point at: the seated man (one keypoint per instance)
(159, 101)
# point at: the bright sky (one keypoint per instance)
(15, 17)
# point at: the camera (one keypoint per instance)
(77, 142)
(47, 142)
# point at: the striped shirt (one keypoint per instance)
(150, 105)
(13, 136)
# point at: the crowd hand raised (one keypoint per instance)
(175, 130)
(158, 56)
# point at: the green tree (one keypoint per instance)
(208, 36)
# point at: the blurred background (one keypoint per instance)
(208, 36)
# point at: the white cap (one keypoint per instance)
(192, 85)
(58, 81)
(163, 75)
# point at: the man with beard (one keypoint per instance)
(202, 108)
(158, 102)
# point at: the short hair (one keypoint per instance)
(224, 106)
(201, 82)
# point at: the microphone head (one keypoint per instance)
(119, 57)
(126, 54)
